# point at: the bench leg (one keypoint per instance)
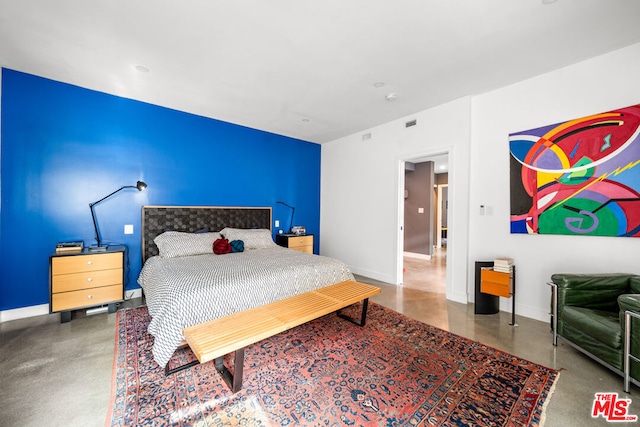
(168, 371)
(234, 381)
(363, 318)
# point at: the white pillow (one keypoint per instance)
(173, 244)
(257, 238)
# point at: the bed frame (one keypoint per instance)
(212, 340)
(158, 219)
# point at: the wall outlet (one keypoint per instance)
(128, 229)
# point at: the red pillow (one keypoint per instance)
(221, 246)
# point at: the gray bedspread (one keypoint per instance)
(185, 291)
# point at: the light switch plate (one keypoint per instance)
(128, 229)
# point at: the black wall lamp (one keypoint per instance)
(292, 212)
(139, 185)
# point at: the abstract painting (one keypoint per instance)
(580, 177)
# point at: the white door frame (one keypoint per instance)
(439, 215)
(415, 158)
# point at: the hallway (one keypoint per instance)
(426, 275)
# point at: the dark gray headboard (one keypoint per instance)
(158, 219)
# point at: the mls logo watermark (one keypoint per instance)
(612, 408)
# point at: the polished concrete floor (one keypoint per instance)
(426, 274)
(55, 374)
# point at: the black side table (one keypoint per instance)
(484, 303)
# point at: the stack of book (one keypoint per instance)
(503, 265)
(66, 247)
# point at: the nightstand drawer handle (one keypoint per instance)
(89, 262)
(89, 279)
(89, 296)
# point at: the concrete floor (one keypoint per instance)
(55, 374)
(426, 275)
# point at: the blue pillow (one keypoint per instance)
(237, 246)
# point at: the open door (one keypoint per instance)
(424, 211)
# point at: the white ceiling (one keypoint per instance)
(306, 69)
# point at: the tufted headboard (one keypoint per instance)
(158, 219)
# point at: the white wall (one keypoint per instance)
(597, 85)
(360, 201)
(360, 181)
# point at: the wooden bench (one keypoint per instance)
(216, 338)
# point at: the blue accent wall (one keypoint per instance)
(63, 147)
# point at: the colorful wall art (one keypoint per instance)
(580, 177)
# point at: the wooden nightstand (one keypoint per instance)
(302, 243)
(86, 279)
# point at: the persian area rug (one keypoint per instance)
(395, 371)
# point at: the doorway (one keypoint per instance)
(425, 223)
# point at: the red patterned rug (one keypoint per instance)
(395, 371)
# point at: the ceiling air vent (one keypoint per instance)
(411, 123)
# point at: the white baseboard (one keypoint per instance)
(133, 293)
(417, 255)
(371, 274)
(458, 297)
(23, 312)
(39, 310)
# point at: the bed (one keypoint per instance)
(186, 284)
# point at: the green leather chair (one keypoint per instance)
(599, 314)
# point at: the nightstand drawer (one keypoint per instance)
(85, 280)
(307, 249)
(495, 283)
(84, 298)
(296, 242)
(77, 263)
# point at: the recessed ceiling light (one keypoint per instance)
(391, 96)
(142, 68)
(378, 84)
